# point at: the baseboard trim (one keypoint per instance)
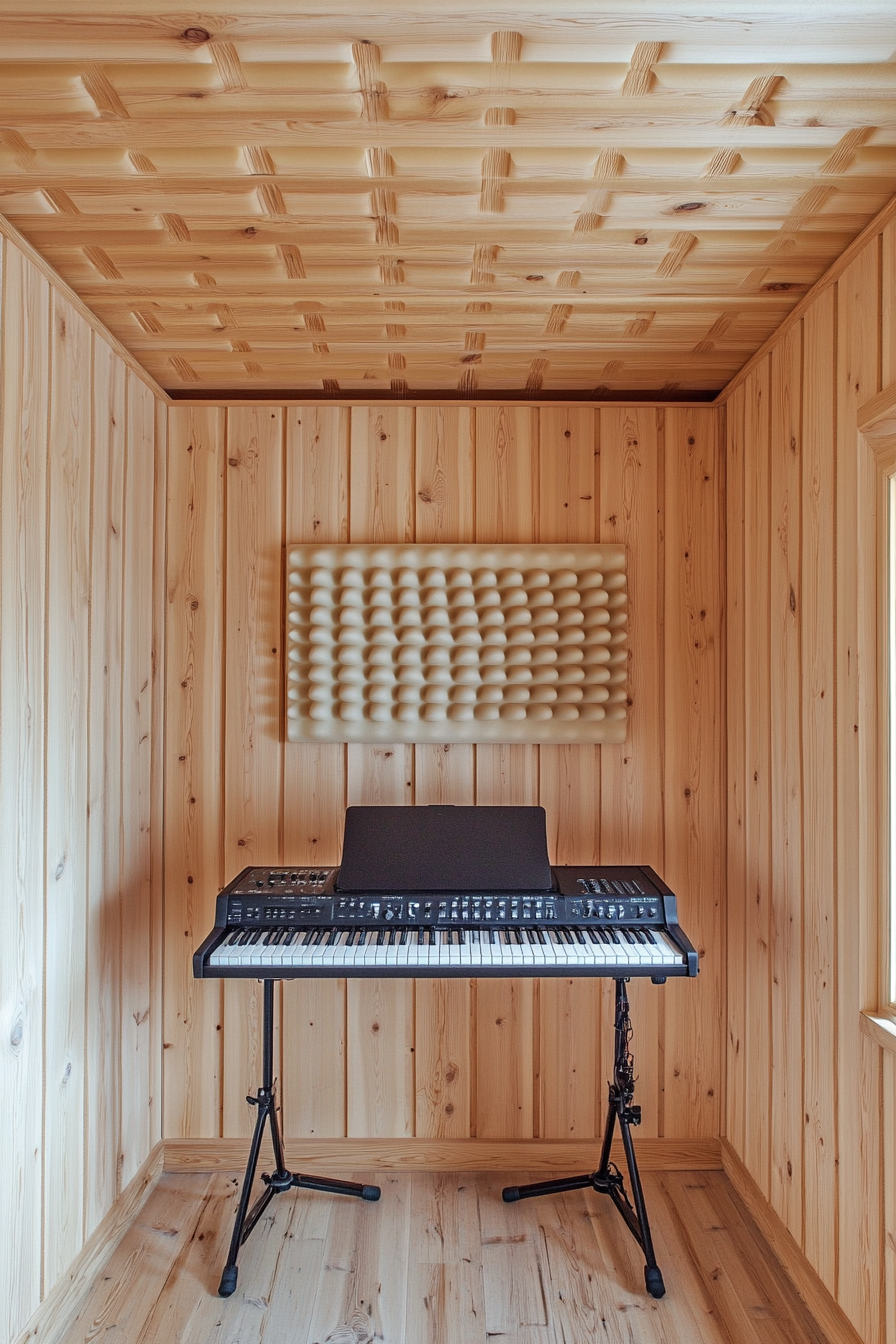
(805, 1279)
(54, 1314)
(345, 1155)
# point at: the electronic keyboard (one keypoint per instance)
(281, 923)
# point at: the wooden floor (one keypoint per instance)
(441, 1260)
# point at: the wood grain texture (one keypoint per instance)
(757, 806)
(420, 1154)
(858, 354)
(68, 690)
(785, 598)
(819, 773)
(144, 168)
(442, 1060)
(252, 742)
(632, 507)
(737, 1105)
(140, 925)
(23, 537)
(332, 487)
(442, 1253)
(569, 1022)
(824, 768)
(382, 474)
(193, 807)
(694, 768)
(106, 803)
(444, 446)
(77, 512)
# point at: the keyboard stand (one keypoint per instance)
(281, 1179)
(608, 1180)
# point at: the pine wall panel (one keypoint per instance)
(488, 1058)
(80, 1023)
(809, 1096)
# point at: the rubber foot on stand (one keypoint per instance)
(510, 1194)
(371, 1192)
(654, 1281)
(228, 1281)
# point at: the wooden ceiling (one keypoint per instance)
(582, 199)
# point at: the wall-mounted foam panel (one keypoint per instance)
(456, 644)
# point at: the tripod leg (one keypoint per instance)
(229, 1276)
(653, 1279)
(609, 1127)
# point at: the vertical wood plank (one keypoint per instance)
(694, 760)
(442, 1058)
(631, 482)
(316, 509)
(505, 1009)
(757, 810)
(380, 1058)
(819, 855)
(569, 784)
(888, 1182)
(105, 812)
(443, 773)
(785, 598)
(68, 633)
(567, 485)
(569, 1011)
(24, 369)
(631, 790)
(569, 775)
(858, 350)
(444, 473)
(506, 511)
(507, 775)
(888, 305)
(157, 782)
(737, 1100)
(381, 1096)
(139, 1040)
(382, 474)
(193, 749)
(506, 473)
(252, 672)
(443, 1008)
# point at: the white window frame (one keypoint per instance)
(877, 437)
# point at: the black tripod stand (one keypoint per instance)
(607, 1180)
(281, 1179)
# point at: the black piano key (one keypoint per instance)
(333, 938)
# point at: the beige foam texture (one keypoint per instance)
(456, 644)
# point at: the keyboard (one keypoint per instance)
(280, 923)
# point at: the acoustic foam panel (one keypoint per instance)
(456, 644)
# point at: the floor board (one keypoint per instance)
(442, 1260)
